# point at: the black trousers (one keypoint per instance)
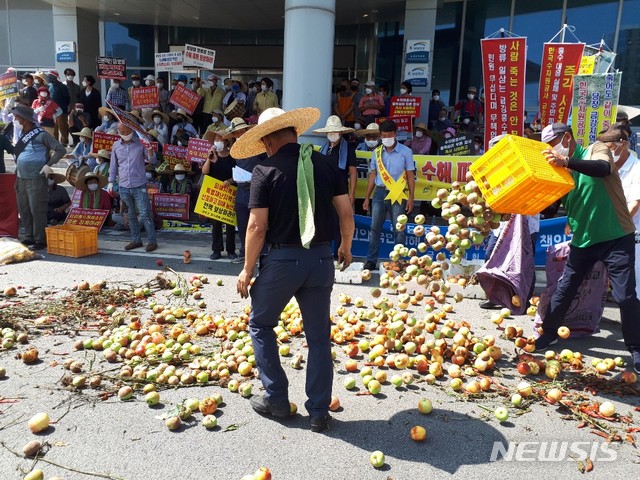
(216, 240)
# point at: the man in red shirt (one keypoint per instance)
(470, 105)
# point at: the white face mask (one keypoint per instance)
(561, 149)
(160, 85)
(136, 83)
(466, 121)
(106, 119)
(70, 78)
(357, 126)
(403, 91)
(389, 142)
(442, 119)
(264, 88)
(371, 143)
(419, 133)
(147, 83)
(149, 175)
(180, 177)
(470, 96)
(93, 187)
(157, 120)
(181, 83)
(219, 145)
(333, 137)
(37, 81)
(24, 82)
(51, 181)
(126, 138)
(436, 97)
(85, 83)
(368, 91)
(214, 120)
(43, 94)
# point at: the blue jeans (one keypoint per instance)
(137, 200)
(307, 275)
(379, 210)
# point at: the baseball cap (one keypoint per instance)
(552, 131)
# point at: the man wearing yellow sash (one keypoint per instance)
(392, 182)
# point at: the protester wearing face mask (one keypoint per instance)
(181, 184)
(117, 96)
(58, 93)
(72, 87)
(390, 163)
(78, 119)
(443, 122)
(266, 98)
(29, 93)
(219, 165)
(406, 89)
(153, 183)
(371, 104)
(182, 130)
(128, 157)
(82, 153)
(421, 142)
(39, 80)
(469, 105)
(103, 160)
(93, 196)
(217, 125)
(163, 96)
(435, 107)
(371, 136)
(57, 200)
(109, 124)
(46, 110)
(467, 124)
(91, 99)
(234, 94)
(344, 103)
(602, 228)
(158, 121)
(212, 96)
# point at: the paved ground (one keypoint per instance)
(127, 439)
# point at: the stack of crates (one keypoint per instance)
(514, 177)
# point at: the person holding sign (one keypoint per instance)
(392, 171)
(182, 130)
(180, 184)
(93, 196)
(294, 194)
(46, 110)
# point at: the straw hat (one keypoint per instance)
(148, 116)
(136, 114)
(272, 120)
(102, 153)
(153, 132)
(41, 76)
(613, 134)
(372, 129)
(180, 168)
(82, 183)
(421, 126)
(237, 124)
(85, 132)
(180, 111)
(334, 125)
(58, 177)
(104, 110)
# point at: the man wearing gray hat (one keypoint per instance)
(33, 165)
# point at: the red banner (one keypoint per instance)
(198, 150)
(184, 98)
(86, 217)
(175, 154)
(103, 141)
(503, 65)
(405, 106)
(560, 62)
(171, 206)
(404, 123)
(8, 206)
(144, 97)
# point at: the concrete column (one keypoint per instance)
(81, 27)
(309, 27)
(420, 24)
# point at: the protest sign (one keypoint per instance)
(461, 144)
(198, 150)
(171, 205)
(405, 124)
(103, 141)
(595, 102)
(503, 64)
(169, 61)
(198, 57)
(86, 217)
(144, 97)
(111, 68)
(75, 198)
(405, 106)
(560, 62)
(184, 98)
(217, 201)
(173, 155)
(129, 120)
(8, 85)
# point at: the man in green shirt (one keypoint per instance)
(602, 231)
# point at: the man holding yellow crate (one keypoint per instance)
(392, 176)
(602, 230)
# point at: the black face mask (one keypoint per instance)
(354, 88)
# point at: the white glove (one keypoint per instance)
(110, 187)
(39, 109)
(47, 170)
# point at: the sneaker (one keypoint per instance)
(215, 256)
(133, 245)
(489, 305)
(38, 246)
(369, 265)
(545, 340)
(635, 358)
(26, 242)
(151, 247)
(238, 260)
(261, 405)
(320, 424)
(232, 256)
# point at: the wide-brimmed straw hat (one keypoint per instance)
(421, 126)
(82, 183)
(372, 129)
(137, 115)
(41, 76)
(58, 177)
(148, 116)
(333, 125)
(102, 153)
(104, 110)
(272, 120)
(85, 132)
(180, 168)
(613, 134)
(237, 124)
(180, 111)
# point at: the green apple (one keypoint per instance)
(501, 413)
(349, 383)
(377, 459)
(425, 406)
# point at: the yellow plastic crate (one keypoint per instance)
(514, 177)
(72, 241)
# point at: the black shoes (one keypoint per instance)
(489, 305)
(545, 340)
(369, 265)
(27, 243)
(215, 256)
(320, 424)
(38, 246)
(262, 406)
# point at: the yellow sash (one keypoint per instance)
(395, 187)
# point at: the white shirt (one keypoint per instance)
(630, 176)
(240, 175)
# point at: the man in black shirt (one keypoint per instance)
(293, 196)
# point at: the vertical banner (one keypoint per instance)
(503, 66)
(595, 104)
(560, 63)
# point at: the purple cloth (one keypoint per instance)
(508, 271)
(127, 163)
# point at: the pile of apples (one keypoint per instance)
(9, 338)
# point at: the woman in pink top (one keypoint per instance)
(421, 143)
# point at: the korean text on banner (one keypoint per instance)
(86, 217)
(169, 61)
(404, 123)
(560, 63)
(129, 120)
(144, 97)
(217, 200)
(405, 106)
(8, 85)
(503, 65)
(184, 98)
(103, 141)
(111, 67)
(173, 155)
(171, 206)
(198, 150)
(461, 144)
(198, 57)
(595, 104)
